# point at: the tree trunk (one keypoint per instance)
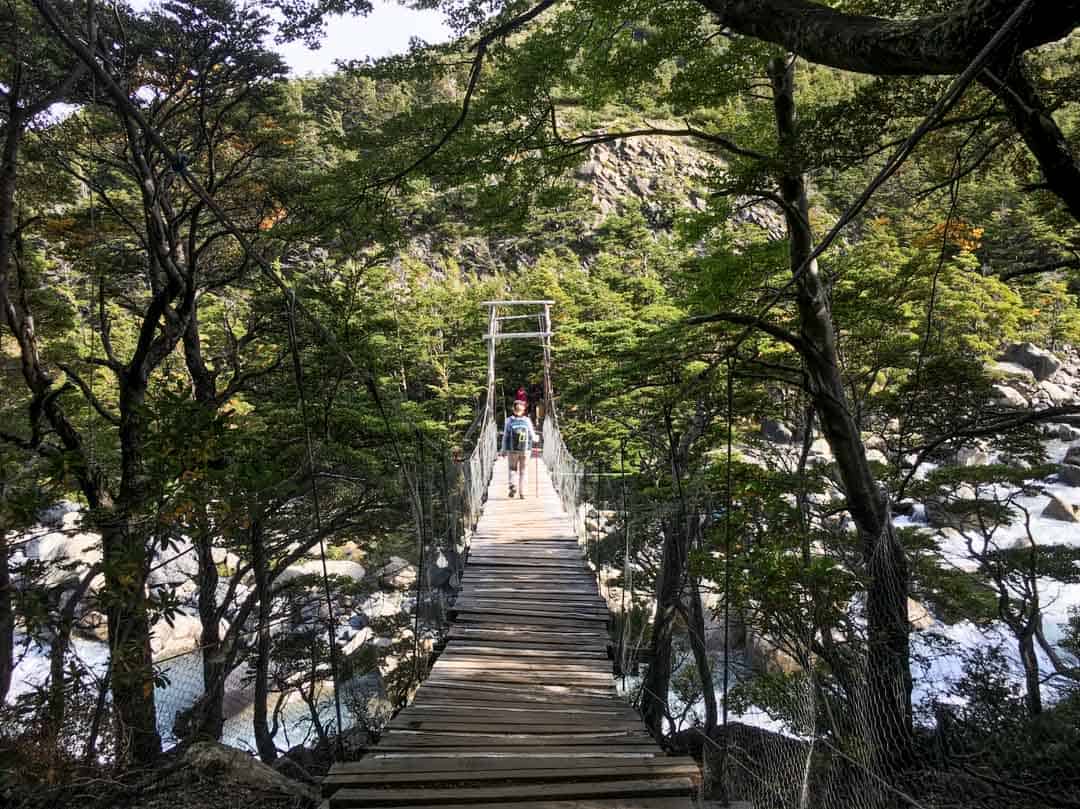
(934, 44)
(1030, 661)
(701, 656)
(211, 715)
(264, 740)
(57, 705)
(124, 552)
(657, 682)
(7, 619)
(888, 698)
(8, 162)
(1040, 132)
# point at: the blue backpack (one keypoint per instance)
(519, 437)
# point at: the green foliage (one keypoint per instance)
(952, 595)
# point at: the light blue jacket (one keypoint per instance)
(518, 422)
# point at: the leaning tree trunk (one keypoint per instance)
(207, 716)
(57, 699)
(9, 154)
(125, 566)
(264, 739)
(7, 619)
(657, 682)
(696, 627)
(888, 697)
(210, 714)
(1032, 681)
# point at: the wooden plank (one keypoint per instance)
(594, 682)
(510, 716)
(566, 657)
(566, 675)
(604, 752)
(459, 657)
(533, 588)
(583, 582)
(483, 696)
(526, 618)
(522, 550)
(579, 633)
(634, 769)
(540, 636)
(511, 650)
(534, 592)
(529, 641)
(498, 741)
(527, 604)
(530, 606)
(588, 803)
(463, 726)
(553, 567)
(477, 764)
(554, 657)
(367, 797)
(508, 663)
(479, 732)
(546, 600)
(501, 712)
(550, 672)
(544, 692)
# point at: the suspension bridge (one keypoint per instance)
(520, 707)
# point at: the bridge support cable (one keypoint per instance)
(298, 373)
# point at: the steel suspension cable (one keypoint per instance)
(727, 579)
(298, 373)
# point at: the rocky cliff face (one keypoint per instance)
(662, 174)
(658, 175)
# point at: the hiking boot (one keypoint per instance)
(513, 491)
(521, 496)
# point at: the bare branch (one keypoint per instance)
(751, 322)
(87, 392)
(1035, 269)
(688, 132)
(480, 49)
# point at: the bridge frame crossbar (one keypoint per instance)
(543, 333)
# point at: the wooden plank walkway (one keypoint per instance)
(520, 708)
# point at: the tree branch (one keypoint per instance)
(1035, 269)
(751, 322)
(480, 49)
(931, 45)
(688, 132)
(94, 401)
(1041, 134)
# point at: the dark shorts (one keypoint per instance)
(516, 460)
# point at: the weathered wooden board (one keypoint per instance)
(365, 797)
(587, 803)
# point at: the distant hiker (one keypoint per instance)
(536, 399)
(517, 442)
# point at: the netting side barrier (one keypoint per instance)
(567, 474)
(384, 633)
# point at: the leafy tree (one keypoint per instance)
(979, 505)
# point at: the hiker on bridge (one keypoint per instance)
(518, 438)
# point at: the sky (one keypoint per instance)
(385, 31)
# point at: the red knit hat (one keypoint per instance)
(521, 396)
